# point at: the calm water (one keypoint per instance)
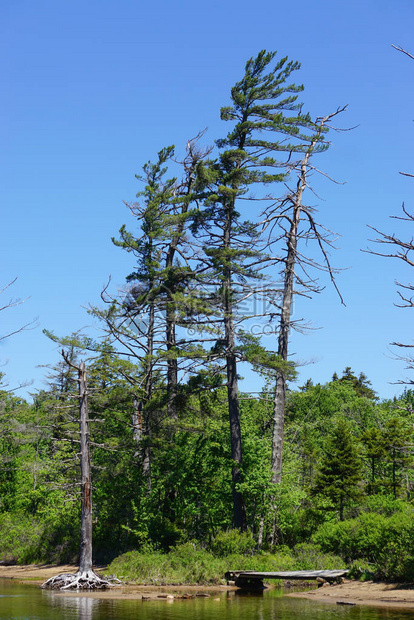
(19, 602)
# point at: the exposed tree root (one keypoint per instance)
(86, 580)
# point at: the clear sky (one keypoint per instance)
(92, 90)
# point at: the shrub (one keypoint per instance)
(362, 570)
(20, 540)
(188, 564)
(185, 564)
(353, 539)
(26, 539)
(232, 542)
(386, 542)
(308, 556)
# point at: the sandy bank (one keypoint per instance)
(34, 572)
(38, 573)
(363, 593)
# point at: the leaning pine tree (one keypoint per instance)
(269, 129)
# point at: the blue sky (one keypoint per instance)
(92, 90)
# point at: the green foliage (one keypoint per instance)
(191, 497)
(386, 542)
(385, 505)
(340, 468)
(309, 556)
(361, 570)
(26, 539)
(360, 384)
(355, 538)
(21, 538)
(189, 564)
(184, 565)
(232, 541)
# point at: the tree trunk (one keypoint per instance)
(284, 326)
(85, 578)
(85, 562)
(239, 510)
(137, 422)
(394, 477)
(172, 363)
(147, 422)
(193, 156)
(282, 350)
(260, 533)
(278, 427)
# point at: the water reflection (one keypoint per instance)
(79, 607)
(19, 602)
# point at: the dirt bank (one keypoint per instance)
(34, 572)
(39, 573)
(363, 593)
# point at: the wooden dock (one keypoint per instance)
(249, 579)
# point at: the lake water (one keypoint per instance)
(24, 602)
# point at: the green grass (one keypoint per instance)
(188, 564)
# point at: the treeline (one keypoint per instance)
(348, 467)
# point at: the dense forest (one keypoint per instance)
(183, 460)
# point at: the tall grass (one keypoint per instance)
(188, 564)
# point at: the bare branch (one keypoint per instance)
(12, 303)
(401, 49)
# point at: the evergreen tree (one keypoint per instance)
(340, 469)
(361, 384)
(397, 438)
(142, 323)
(375, 450)
(234, 251)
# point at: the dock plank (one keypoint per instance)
(246, 577)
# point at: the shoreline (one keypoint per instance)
(374, 594)
(36, 574)
(367, 593)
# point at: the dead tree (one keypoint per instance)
(286, 217)
(403, 250)
(85, 578)
(11, 304)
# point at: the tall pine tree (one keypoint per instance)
(340, 469)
